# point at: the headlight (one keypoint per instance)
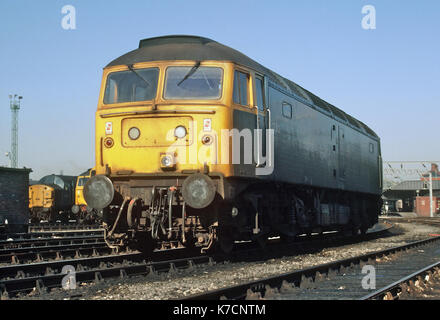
(198, 191)
(75, 209)
(207, 139)
(180, 132)
(98, 192)
(166, 161)
(134, 133)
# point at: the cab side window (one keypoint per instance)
(241, 81)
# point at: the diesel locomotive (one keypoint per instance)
(80, 210)
(51, 198)
(197, 145)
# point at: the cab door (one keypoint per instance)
(262, 124)
(341, 153)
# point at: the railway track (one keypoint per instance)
(322, 281)
(50, 234)
(48, 241)
(62, 227)
(54, 252)
(412, 285)
(39, 276)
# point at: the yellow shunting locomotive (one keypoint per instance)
(198, 145)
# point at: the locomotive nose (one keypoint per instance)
(98, 192)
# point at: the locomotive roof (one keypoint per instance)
(85, 173)
(51, 180)
(182, 47)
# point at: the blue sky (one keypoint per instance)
(387, 77)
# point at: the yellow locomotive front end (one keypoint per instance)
(81, 211)
(148, 122)
(79, 197)
(159, 168)
(41, 202)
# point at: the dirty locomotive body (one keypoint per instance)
(197, 145)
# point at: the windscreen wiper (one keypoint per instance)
(130, 67)
(190, 72)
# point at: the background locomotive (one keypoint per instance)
(80, 210)
(304, 165)
(51, 198)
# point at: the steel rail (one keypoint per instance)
(39, 254)
(240, 291)
(34, 249)
(42, 283)
(36, 235)
(39, 268)
(48, 241)
(62, 227)
(391, 291)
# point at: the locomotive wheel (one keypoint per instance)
(355, 231)
(64, 218)
(50, 217)
(134, 212)
(287, 239)
(262, 242)
(144, 243)
(35, 217)
(225, 241)
(88, 218)
(363, 230)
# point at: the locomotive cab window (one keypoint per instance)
(193, 83)
(82, 182)
(132, 85)
(241, 81)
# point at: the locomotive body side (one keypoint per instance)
(317, 149)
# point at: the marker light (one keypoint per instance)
(180, 132)
(134, 133)
(108, 142)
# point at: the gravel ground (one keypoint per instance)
(185, 283)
